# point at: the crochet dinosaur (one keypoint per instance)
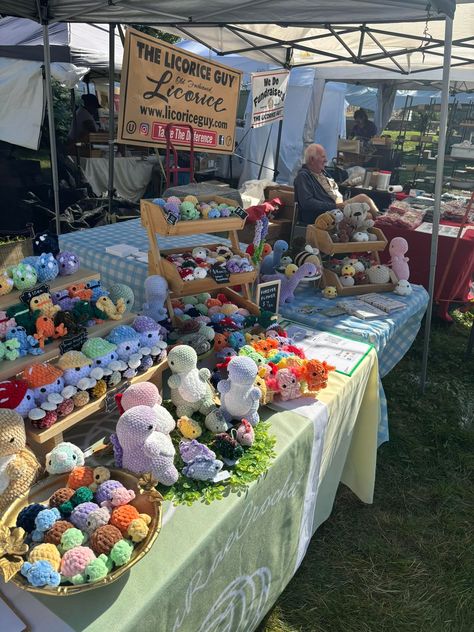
(289, 284)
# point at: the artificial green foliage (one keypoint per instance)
(255, 462)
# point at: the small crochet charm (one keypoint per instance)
(28, 344)
(80, 476)
(203, 469)
(24, 276)
(288, 385)
(81, 495)
(46, 267)
(26, 518)
(75, 561)
(40, 573)
(60, 496)
(121, 552)
(189, 428)
(138, 529)
(216, 422)
(95, 571)
(81, 512)
(105, 489)
(70, 539)
(378, 274)
(104, 538)
(118, 497)
(228, 448)
(19, 468)
(97, 518)
(245, 434)
(54, 535)
(112, 310)
(43, 522)
(101, 474)
(44, 304)
(68, 263)
(403, 288)
(121, 291)
(63, 458)
(239, 397)
(190, 389)
(122, 517)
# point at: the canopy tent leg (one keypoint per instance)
(111, 118)
(52, 129)
(277, 152)
(443, 122)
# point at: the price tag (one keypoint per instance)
(240, 212)
(36, 291)
(110, 402)
(220, 275)
(268, 296)
(171, 219)
(73, 343)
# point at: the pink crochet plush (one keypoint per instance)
(75, 560)
(119, 496)
(398, 248)
(147, 394)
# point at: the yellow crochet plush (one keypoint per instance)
(48, 553)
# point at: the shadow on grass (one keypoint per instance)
(404, 563)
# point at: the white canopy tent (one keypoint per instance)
(302, 32)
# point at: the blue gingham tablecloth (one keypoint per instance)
(391, 336)
(90, 246)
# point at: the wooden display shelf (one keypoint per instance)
(42, 441)
(322, 240)
(187, 288)
(10, 369)
(59, 283)
(331, 278)
(153, 217)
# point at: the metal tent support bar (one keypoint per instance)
(51, 125)
(448, 36)
(111, 116)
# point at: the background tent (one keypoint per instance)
(76, 48)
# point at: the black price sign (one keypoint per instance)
(240, 212)
(268, 296)
(171, 219)
(73, 343)
(36, 291)
(110, 402)
(220, 275)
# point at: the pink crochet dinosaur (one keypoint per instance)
(289, 284)
(397, 248)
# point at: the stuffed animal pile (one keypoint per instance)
(190, 208)
(85, 529)
(200, 262)
(358, 270)
(354, 223)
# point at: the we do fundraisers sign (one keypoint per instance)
(162, 84)
(268, 96)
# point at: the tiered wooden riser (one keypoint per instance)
(43, 441)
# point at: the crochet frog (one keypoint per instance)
(43, 303)
(239, 397)
(190, 389)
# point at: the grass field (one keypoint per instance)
(405, 563)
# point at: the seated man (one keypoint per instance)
(316, 192)
(85, 119)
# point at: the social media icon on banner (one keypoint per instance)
(144, 129)
(221, 139)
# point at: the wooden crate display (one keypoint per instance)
(330, 278)
(155, 218)
(187, 288)
(322, 240)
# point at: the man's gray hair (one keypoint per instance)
(310, 151)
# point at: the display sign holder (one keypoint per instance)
(268, 296)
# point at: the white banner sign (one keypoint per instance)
(268, 96)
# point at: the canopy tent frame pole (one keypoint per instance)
(51, 125)
(443, 123)
(111, 118)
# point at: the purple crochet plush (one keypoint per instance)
(68, 263)
(144, 449)
(80, 514)
(103, 491)
(289, 284)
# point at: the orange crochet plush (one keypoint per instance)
(265, 346)
(122, 517)
(81, 476)
(316, 374)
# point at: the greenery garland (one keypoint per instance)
(254, 463)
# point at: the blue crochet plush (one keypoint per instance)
(126, 339)
(44, 521)
(46, 267)
(26, 517)
(40, 573)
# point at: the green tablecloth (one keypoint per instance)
(221, 567)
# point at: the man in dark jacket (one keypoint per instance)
(316, 192)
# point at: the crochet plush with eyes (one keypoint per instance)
(64, 458)
(239, 397)
(24, 276)
(156, 291)
(288, 385)
(190, 389)
(19, 468)
(68, 263)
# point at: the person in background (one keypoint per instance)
(316, 192)
(363, 128)
(86, 116)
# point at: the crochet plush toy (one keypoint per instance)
(272, 261)
(120, 290)
(357, 214)
(289, 284)
(398, 248)
(239, 397)
(19, 468)
(144, 450)
(325, 221)
(40, 573)
(190, 389)
(64, 458)
(147, 394)
(156, 291)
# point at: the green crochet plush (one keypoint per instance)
(70, 539)
(81, 495)
(96, 570)
(190, 388)
(121, 552)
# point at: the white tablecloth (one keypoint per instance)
(131, 176)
